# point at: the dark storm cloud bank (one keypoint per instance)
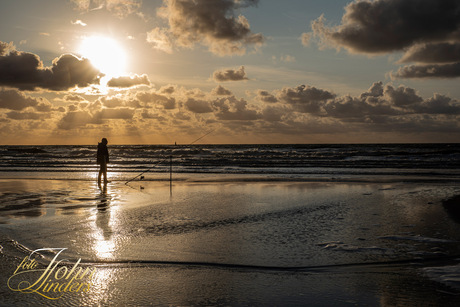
(25, 71)
(214, 24)
(428, 31)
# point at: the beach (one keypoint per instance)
(240, 242)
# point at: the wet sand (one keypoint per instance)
(236, 243)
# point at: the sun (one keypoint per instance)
(105, 53)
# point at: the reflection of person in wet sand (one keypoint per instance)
(103, 214)
(102, 159)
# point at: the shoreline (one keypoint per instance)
(222, 178)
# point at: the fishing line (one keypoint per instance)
(161, 161)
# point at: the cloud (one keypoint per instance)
(78, 22)
(232, 108)
(81, 118)
(273, 114)
(230, 75)
(168, 103)
(168, 89)
(25, 71)
(305, 38)
(14, 100)
(129, 81)
(438, 104)
(428, 71)
(160, 40)
(27, 115)
(401, 96)
(433, 53)
(211, 23)
(68, 71)
(198, 106)
(266, 96)
(6, 48)
(221, 91)
(391, 25)
(287, 58)
(120, 8)
(428, 32)
(380, 105)
(75, 119)
(75, 98)
(117, 113)
(304, 98)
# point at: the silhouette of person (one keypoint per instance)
(102, 159)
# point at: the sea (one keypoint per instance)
(297, 162)
(237, 225)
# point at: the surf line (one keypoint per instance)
(255, 267)
(170, 161)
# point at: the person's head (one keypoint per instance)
(104, 141)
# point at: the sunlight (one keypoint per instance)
(105, 54)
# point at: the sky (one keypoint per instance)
(248, 71)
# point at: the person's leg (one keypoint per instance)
(100, 174)
(104, 171)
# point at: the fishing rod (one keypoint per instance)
(161, 161)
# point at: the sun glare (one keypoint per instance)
(105, 54)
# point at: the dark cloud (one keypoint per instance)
(69, 71)
(234, 109)
(76, 119)
(428, 31)
(198, 106)
(438, 104)
(168, 89)
(117, 113)
(306, 99)
(26, 115)
(266, 96)
(212, 23)
(14, 100)
(402, 96)
(157, 99)
(25, 71)
(81, 118)
(129, 81)
(230, 75)
(375, 90)
(391, 25)
(75, 98)
(379, 105)
(273, 114)
(428, 71)
(354, 109)
(433, 53)
(221, 91)
(147, 115)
